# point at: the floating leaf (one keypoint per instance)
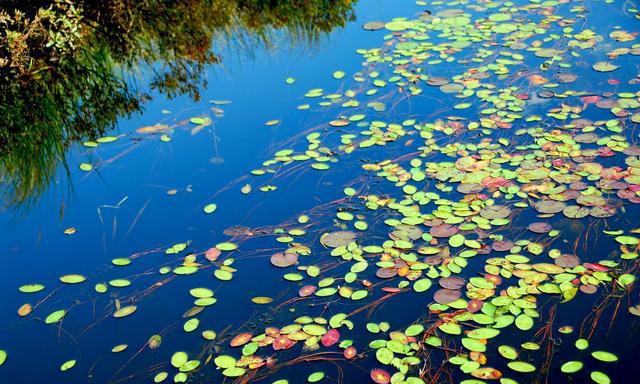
(223, 275)
(25, 310)
(582, 344)
(31, 288)
(210, 208)
(600, 377)
(125, 311)
(571, 367)
(380, 376)
(262, 300)
(604, 66)
(72, 279)
(119, 348)
(68, 365)
(160, 377)
(234, 372)
(604, 356)
(315, 377)
(241, 339)
(191, 325)
(521, 366)
(56, 316)
(179, 358)
(285, 259)
(201, 293)
(226, 246)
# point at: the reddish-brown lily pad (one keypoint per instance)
(380, 376)
(241, 339)
(443, 230)
(502, 245)
(337, 239)
(307, 290)
(331, 337)
(452, 283)
(567, 261)
(284, 259)
(446, 296)
(540, 227)
(386, 273)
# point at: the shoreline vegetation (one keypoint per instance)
(64, 65)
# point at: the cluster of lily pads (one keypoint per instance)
(468, 212)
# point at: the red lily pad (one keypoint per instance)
(307, 290)
(212, 254)
(474, 305)
(596, 267)
(331, 337)
(241, 339)
(380, 376)
(350, 352)
(282, 342)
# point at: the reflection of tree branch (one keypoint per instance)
(64, 65)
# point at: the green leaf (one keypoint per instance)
(72, 279)
(31, 288)
(179, 358)
(210, 208)
(571, 367)
(414, 330)
(604, 66)
(600, 377)
(160, 377)
(234, 372)
(604, 356)
(521, 366)
(384, 355)
(68, 365)
(226, 246)
(524, 322)
(315, 377)
(55, 316)
(582, 344)
(125, 311)
(223, 275)
(191, 325)
(422, 285)
(225, 361)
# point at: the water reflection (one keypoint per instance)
(64, 65)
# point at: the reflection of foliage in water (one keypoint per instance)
(61, 64)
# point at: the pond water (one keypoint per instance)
(435, 192)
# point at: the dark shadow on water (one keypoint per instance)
(65, 65)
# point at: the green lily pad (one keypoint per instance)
(571, 366)
(315, 377)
